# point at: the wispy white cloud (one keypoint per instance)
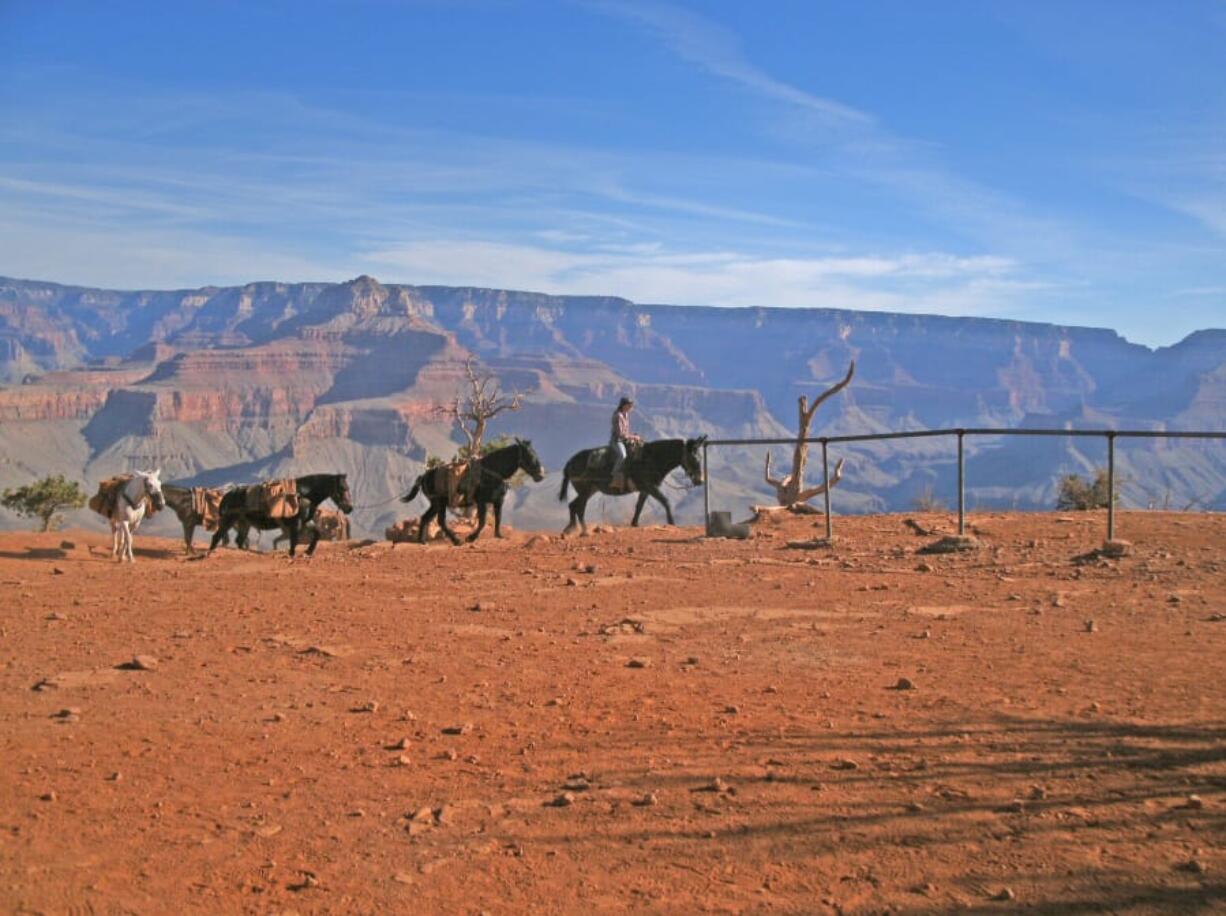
(716, 49)
(907, 282)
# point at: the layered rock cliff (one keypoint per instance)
(227, 384)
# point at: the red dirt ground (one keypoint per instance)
(754, 758)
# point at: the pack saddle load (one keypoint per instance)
(461, 479)
(104, 501)
(206, 505)
(274, 498)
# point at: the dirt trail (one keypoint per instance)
(639, 719)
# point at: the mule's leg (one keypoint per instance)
(442, 523)
(578, 510)
(498, 516)
(659, 497)
(126, 548)
(638, 509)
(423, 524)
(481, 510)
(189, 530)
(114, 539)
(314, 539)
(292, 527)
(223, 529)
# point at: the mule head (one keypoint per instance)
(691, 460)
(153, 487)
(529, 461)
(340, 494)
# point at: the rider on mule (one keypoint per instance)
(621, 439)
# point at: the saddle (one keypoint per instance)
(206, 505)
(103, 502)
(603, 461)
(459, 481)
(274, 498)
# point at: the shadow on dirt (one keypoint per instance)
(1118, 811)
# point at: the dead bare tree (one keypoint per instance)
(790, 490)
(483, 400)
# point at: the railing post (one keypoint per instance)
(961, 485)
(826, 480)
(706, 493)
(1111, 486)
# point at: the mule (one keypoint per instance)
(181, 501)
(332, 526)
(490, 487)
(134, 499)
(313, 490)
(590, 471)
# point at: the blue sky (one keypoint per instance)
(1051, 161)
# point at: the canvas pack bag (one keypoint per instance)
(103, 502)
(206, 505)
(274, 498)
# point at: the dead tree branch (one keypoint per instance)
(481, 402)
(791, 488)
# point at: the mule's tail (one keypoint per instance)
(565, 482)
(413, 492)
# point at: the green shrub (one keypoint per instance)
(44, 499)
(1080, 493)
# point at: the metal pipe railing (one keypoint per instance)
(825, 441)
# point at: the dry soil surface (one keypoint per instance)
(636, 720)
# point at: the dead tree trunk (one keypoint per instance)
(483, 401)
(790, 490)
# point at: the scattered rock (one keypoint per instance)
(56, 615)
(954, 543)
(48, 797)
(1195, 866)
(309, 879)
(564, 800)
(328, 651)
(268, 830)
(401, 745)
(903, 683)
(140, 663)
(924, 568)
(423, 816)
(68, 714)
(1005, 893)
(647, 801)
(1091, 626)
(1193, 803)
(1115, 549)
(68, 545)
(639, 663)
(57, 571)
(571, 581)
(464, 729)
(844, 763)
(368, 706)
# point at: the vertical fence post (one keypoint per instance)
(826, 480)
(961, 485)
(1111, 486)
(706, 493)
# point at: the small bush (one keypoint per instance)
(1080, 493)
(928, 501)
